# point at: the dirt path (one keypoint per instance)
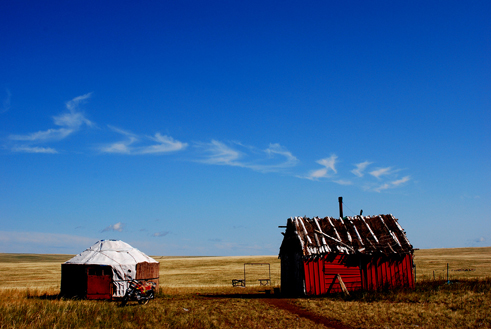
(284, 304)
(287, 305)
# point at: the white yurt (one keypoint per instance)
(103, 270)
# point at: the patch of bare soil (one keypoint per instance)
(284, 304)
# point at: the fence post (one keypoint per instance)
(448, 281)
(414, 265)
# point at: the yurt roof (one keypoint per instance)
(111, 252)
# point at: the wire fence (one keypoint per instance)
(447, 272)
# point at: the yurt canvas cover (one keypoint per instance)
(105, 268)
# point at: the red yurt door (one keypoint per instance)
(99, 282)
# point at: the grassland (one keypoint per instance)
(216, 271)
(463, 263)
(196, 292)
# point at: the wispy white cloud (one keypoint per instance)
(73, 104)
(316, 174)
(360, 168)
(219, 154)
(122, 147)
(381, 172)
(329, 166)
(276, 148)
(118, 227)
(164, 144)
(161, 144)
(382, 187)
(271, 164)
(401, 181)
(74, 119)
(480, 241)
(290, 159)
(329, 163)
(387, 177)
(392, 184)
(35, 149)
(118, 147)
(272, 159)
(467, 196)
(69, 122)
(343, 182)
(42, 136)
(160, 234)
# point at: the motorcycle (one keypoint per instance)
(139, 291)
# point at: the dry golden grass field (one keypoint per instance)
(196, 292)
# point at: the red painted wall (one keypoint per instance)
(388, 272)
(357, 272)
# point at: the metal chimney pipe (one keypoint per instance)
(340, 199)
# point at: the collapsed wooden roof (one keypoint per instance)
(350, 235)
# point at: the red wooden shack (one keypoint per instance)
(318, 255)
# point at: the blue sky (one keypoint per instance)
(199, 127)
